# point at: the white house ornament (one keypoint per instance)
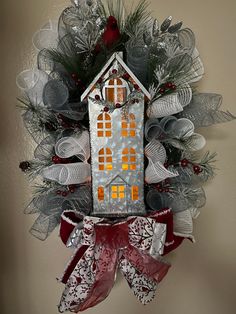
(112, 110)
(116, 117)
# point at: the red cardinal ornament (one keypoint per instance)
(112, 33)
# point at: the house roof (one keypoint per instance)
(117, 178)
(114, 57)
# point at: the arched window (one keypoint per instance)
(105, 159)
(128, 126)
(104, 125)
(129, 159)
(116, 90)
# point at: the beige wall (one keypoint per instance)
(202, 279)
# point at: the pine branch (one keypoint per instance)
(37, 118)
(117, 9)
(36, 166)
(137, 20)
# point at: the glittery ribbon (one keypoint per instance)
(134, 246)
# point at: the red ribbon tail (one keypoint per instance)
(146, 264)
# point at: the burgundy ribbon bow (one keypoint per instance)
(134, 246)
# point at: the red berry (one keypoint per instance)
(173, 87)
(64, 193)
(162, 90)
(168, 85)
(158, 186)
(100, 80)
(74, 76)
(126, 76)
(160, 190)
(197, 169)
(106, 109)
(97, 97)
(114, 71)
(166, 165)
(118, 105)
(184, 162)
(56, 159)
(167, 190)
(136, 86)
(71, 188)
(65, 125)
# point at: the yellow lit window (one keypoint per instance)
(128, 126)
(118, 191)
(100, 193)
(104, 125)
(134, 193)
(124, 133)
(128, 159)
(125, 166)
(105, 159)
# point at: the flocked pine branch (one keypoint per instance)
(35, 167)
(138, 19)
(37, 118)
(207, 164)
(117, 9)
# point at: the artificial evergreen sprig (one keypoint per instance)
(38, 119)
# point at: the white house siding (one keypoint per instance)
(117, 143)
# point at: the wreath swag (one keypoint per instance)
(113, 108)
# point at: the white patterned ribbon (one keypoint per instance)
(134, 246)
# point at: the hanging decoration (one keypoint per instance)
(113, 108)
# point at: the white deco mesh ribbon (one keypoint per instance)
(182, 133)
(32, 83)
(170, 104)
(78, 145)
(197, 70)
(183, 224)
(180, 128)
(46, 37)
(67, 174)
(155, 171)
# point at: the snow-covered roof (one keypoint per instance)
(115, 57)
